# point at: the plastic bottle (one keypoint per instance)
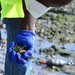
(57, 62)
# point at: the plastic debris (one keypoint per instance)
(57, 62)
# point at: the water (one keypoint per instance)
(45, 44)
(3, 34)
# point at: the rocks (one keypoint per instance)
(2, 60)
(57, 27)
(59, 31)
(65, 53)
(69, 70)
(53, 49)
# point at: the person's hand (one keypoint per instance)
(23, 38)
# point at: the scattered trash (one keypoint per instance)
(57, 62)
(19, 48)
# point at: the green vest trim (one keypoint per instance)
(11, 9)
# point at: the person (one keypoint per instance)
(19, 17)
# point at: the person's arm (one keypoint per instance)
(28, 22)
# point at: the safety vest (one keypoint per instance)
(11, 9)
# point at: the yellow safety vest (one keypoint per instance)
(11, 9)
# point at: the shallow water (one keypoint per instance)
(42, 69)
